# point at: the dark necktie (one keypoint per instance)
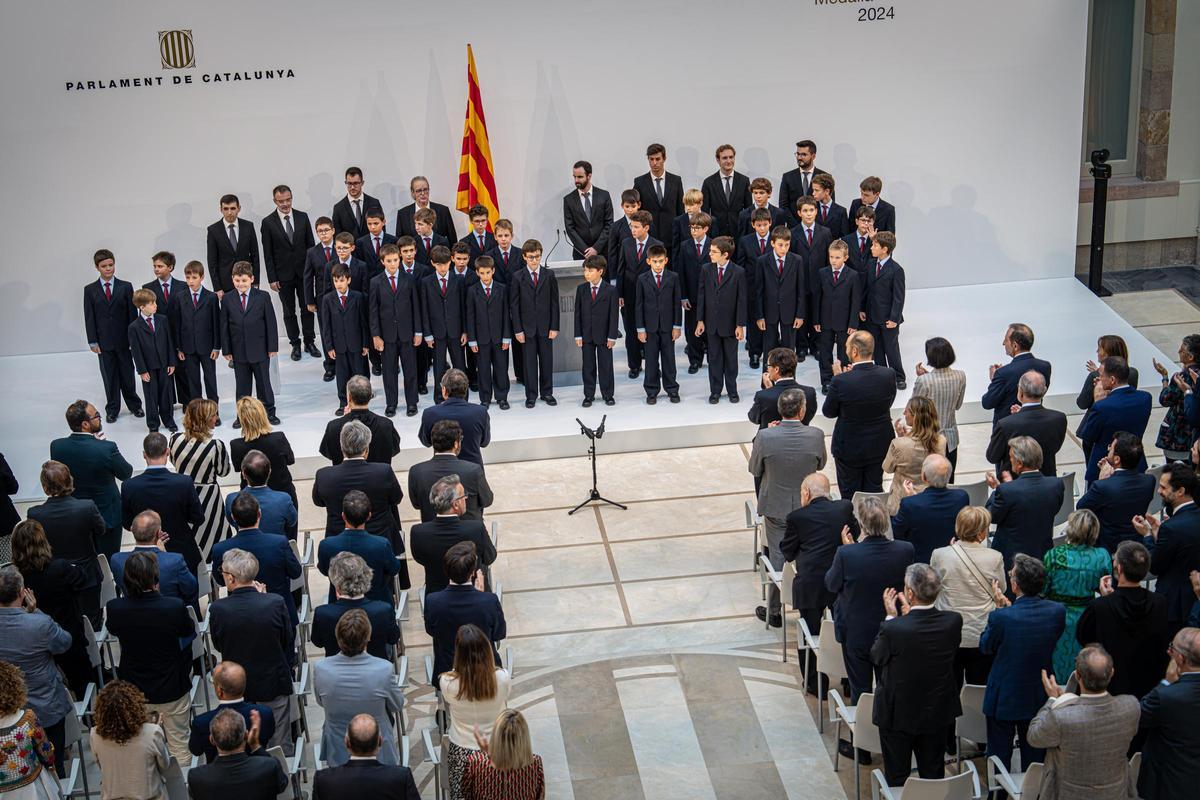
(594, 290)
(808, 233)
(166, 289)
(426, 245)
(343, 299)
(534, 275)
(233, 237)
(243, 302)
(487, 292)
(878, 269)
(328, 255)
(639, 250)
(480, 238)
(720, 275)
(357, 213)
(443, 287)
(780, 262)
(392, 278)
(762, 246)
(288, 229)
(195, 299)
(658, 279)
(804, 183)
(699, 250)
(658, 190)
(837, 273)
(824, 212)
(728, 189)
(587, 205)
(150, 322)
(376, 247)
(504, 255)
(108, 291)
(862, 245)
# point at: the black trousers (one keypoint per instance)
(397, 356)
(424, 358)
(116, 370)
(194, 367)
(696, 345)
(812, 618)
(659, 349)
(518, 360)
(447, 354)
(492, 363)
(1000, 741)
(291, 295)
(777, 334)
(887, 347)
(633, 347)
(722, 363)
(598, 367)
(853, 478)
(754, 341)
(899, 748)
(258, 373)
(348, 364)
(828, 338)
(109, 543)
(970, 666)
(160, 399)
(472, 367)
(952, 457)
(539, 366)
(56, 734)
(859, 671)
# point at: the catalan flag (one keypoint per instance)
(476, 179)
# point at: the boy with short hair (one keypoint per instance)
(489, 332)
(533, 302)
(858, 241)
(165, 287)
(885, 304)
(750, 248)
(317, 263)
(811, 242)
(885, 212)
(781, 296)
(107, 311)
(195, 319)
(250, 337)
(460, 261)
(506, 257)
(829, 213)
(443, 297)
(760, 197)
(479, 241)
(596, 308)
(423, 220)
(721, 303)
(659, 320)
(634, 250)
(837, 299)
(394, 317)
(367, 247)
(345, 331)
(460, 253)
(631, 203)
(692, 257)
(343, 251)
(154, 359)
(681, 233)
(416, 270)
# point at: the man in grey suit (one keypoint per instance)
(446, 439)
(1086, 735)
(784, 454)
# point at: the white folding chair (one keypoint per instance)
(204, 580)
(292, 766)
(175, 780)
(831, 666)
(1068, 501)
(806, 642)
(98, 647)
(781, 578)
(1025, 785)
(299, 698)
(863, 733)
(75, 733)
(108, 585)
(1156, 503)
(66, 787)
(963, 786)
(434, 756)
(1135, 767)
(977, 492)
(401, 681)
(306, 561)
(754, 524)
(441, 716)
(401, 616)
(496, 533)
(971, 724)
(304, 618)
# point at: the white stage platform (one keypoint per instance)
(1066, 318)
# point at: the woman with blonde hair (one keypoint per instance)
(130, 750)
(1073, 573)
(26, 755)
(474, 692)
(194, 452)
(917, 435)
(258, 435)
(505, 767)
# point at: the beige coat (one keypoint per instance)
(962, 589)
(134, 770)
(904, 457)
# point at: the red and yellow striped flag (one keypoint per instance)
(476, 179)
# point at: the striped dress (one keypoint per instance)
(482, 781)
(204, 461)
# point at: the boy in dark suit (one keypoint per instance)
(416, 270)
(506, 257)
(533, 301)
(811, 242)
(634, 250)
(750, 248)
(885, 212)
(349, 213)
(395, 320)
(721, 305)
(489, 332)
(166, 286)
(479, 241)
(345, 331)
(596, 309)
(885, 303)
(426, 239)
(681, 227)
(829, 213)
(837, 298)
(692, 257)
(250, 337)
(760, 197)
(286, 239)
(630, 203)
(317, 262)
(367, 248)
(443, 304)
(781, 293)
(230, 241)
(154, 360)
(107, 311)
(659, 320)
(195, 319)
(858, 241)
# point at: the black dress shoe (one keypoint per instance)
(390, 411)
(651, 400)
(376, 370)
(753, 362)
(824, 388)
(312, 350)
(327, 377)
(674, 398)
(901, 384)
(411, 411)
(549, 400)
(733, 398)
(274, 420)
(776, 619)
(530, 403)
(139, 412)
(799, 358)
(714, 398)
(587, 402)
(845, 750)
(485, 403)
(609, 401)
(693, 369)
(504, 406)
(423, 389)
(634, 372)
(110, 418)
(173, 428)
(237, 423)
(295, 352)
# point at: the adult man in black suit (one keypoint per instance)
(276, 564)
(1121, 493)
(797, 183)
(1175, 544)
(1046, 426)
(927, 518)
(74, 529)
(170, 494)
(813, 534)
(860, 398)
(286, 239)
(430, 540)
(1171, 754)
(243, 768)
(446, 439)
(1001, 394)
(250, 338)
(377, 481)
(418, 187)
(230, 241)
(916, 698)
(587, 214)
(1024, 503)
(885, 213)
(661, 194)
(363, 775)
(464, 601)
(726, 192)
(721, 303)
(780, 376)
(107, 311)
(474, 420)
(385, 441)
(350, 213)
(375, 551)
(229, 684)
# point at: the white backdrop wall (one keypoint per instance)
(969, 111)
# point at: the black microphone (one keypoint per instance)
(600, 429)
(557, 239)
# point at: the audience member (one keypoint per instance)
(1174, 544)
(28, 753)
(1073, 571)
(1001, 394)
(172, 495)
(375, 551)
(203, 458)
(276, 560)
(385, 441)
(946, 388)
(353, 682)
(1108, 346)
(464, 601)
(258, 435)
(474, 691)
(1121, 493)
(130, 749)
(377, 481)
(279, 515)
(505, 768)
(243, 768)
(778, 377)
(1171, 753)
(917, 436)
(174, 578)
(1086, 735)
(1175, 435)
(351, 578)
(431, 540)
(229, 684)
(1118, 407)
(860, 400)
(1031, 418)
(927, 518)
(1024, 503)
(72, 527)
(8, 512)
(474, 419)
(364, 775)
(446, 440)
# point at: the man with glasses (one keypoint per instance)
(418, 187)
(350, 213)
(431, 540)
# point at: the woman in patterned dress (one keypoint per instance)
(195, 452)
(26, 755)
(1175, 434)
(505, 768)
(946, 388)
(1073, 573)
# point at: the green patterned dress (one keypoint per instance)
(1073, 573)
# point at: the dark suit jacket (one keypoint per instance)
(681, 236)
(860, 257)
(106, 322)
(72, 527)
(834, 218)
(1047, 427)
(816, 256)
(422, 476)
(343, 214)
(534, 312)
(277, 562)
(443, 225)
(246, 777)
(1125, 409)
(254, 629)
(448, 610)
(585, 232)
(722, 307)
(384, 630)
(1171, 753)
(836, 305)
(149, 628)
(596, 320)
(355, 780)
(198, 743)
(250, 336)
(96, 465)
(884, 300)
(746, 256)
(1087, 397)
(152, 350)
(658, 310)
(1001, 393)
(444, 316)
(1021, 639)
(285, 259)
(377, 480)
(371, 548)
(472, 242)
(222, 256)
(474, 419)
(1173, 556)
(195, 329)
(364, 249)
(861, 401)
(385, 441)
(322, 276)
(927, 519)
(488, 317)
(515, 261)
(1023, 512)
(688, 266)
(779, 299)
(812, 536)
(395, 317)
(917, 691)
(670, 207)
(1131, 623)
(177, 288)
(345, 330)
(435, 240)
(431, 540)
(725, 212)
(791, 189)
(778, 217)
(316, 272)
(630, 267)
(8, 487)
(885, 214)
(174, 578)
(1116, 500)
(174, 497)
(858, 575)
(765, 408)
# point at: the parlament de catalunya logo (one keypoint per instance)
(176, 49)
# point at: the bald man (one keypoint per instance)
(363, 775)
(229, 681)
(926, 518)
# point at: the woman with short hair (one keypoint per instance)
(1073, 573)
(946, 387)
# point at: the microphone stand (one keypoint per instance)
(553, 247)
(594, 495)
